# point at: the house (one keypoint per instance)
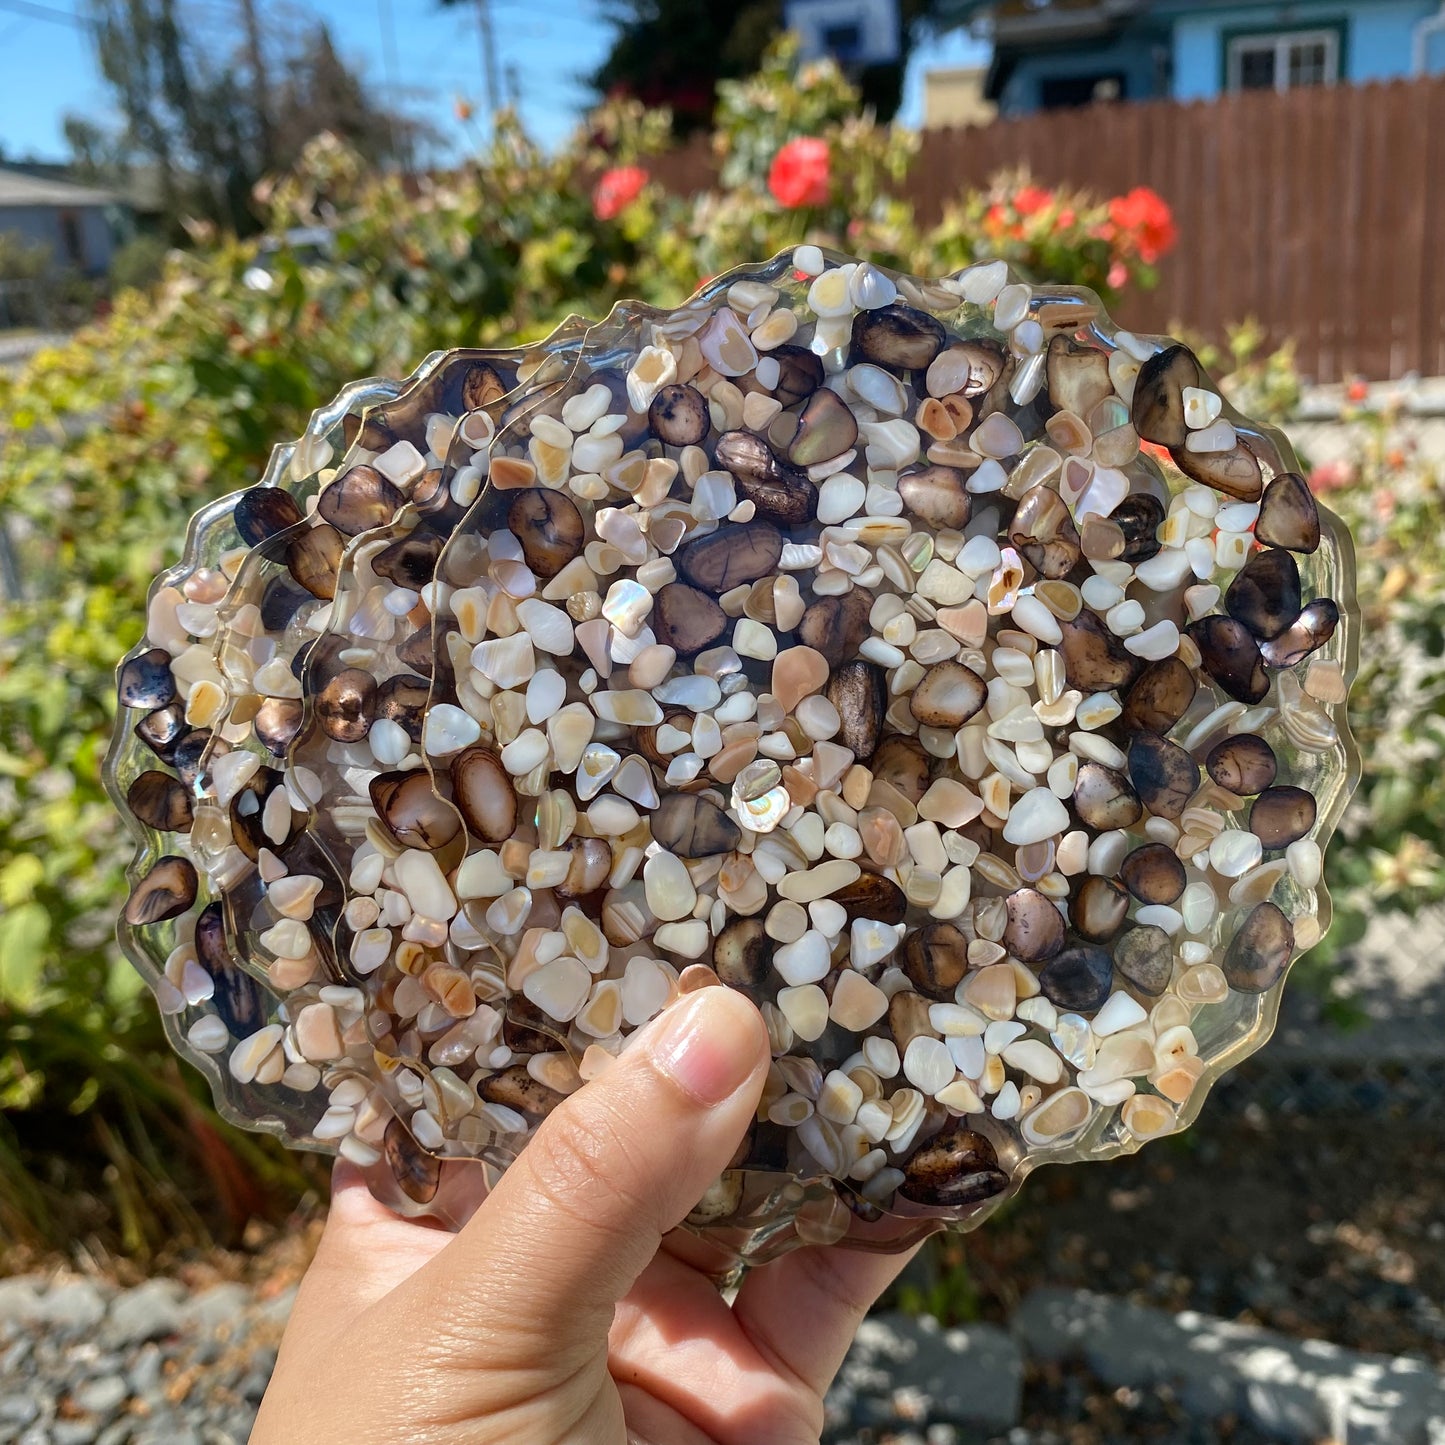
(77, 224)
(1051, 53)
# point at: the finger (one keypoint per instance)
(364, 1253)
(677, 1342)
(575, 1220)
(803, 1311)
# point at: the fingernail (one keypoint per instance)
(708, 1043)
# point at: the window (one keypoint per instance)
(843, 42)
(1282, 62)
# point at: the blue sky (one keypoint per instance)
(47, 68)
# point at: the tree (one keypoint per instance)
(200, 108)
(673, 52)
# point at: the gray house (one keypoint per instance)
(76, 223)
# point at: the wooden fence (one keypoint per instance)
(1320, 212)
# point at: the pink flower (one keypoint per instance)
(616, 190)
(799, 173)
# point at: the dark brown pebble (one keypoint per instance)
(826, 429)
(935, 958)
(742, 954)
(411, 811)
(1231, 657)
(515, 1088)
(346, 705)
(261, 512)
(160, 801)
(778, 491)
(145, 680)
(549, 528)
(1281, 816)
(1104, 799)
(1265, 593)
(402, 699)
(417, 1174)
(679, 415)
(693, 827)
(165, 892)
(1078, 980)
(1159, 698)
(239, 999)
(1094, 659)
(1259, 953)
(188, 752)
(426, 651)
(1138, 516)
(1242, 763)
(248, 810)
(936, 495)
(1158, 410)
(277, 722)
(481, 386)
(1288, 515)
(1145, 956)
(1078, 376)
(525, 1028)
(947, 695)
(1153, 874)
(359, 500)
(1045, 533)
(908, 1017)
(1236, 472)
(800, 373)
(836, 626)
(1099, 908)
(280, 601)
(864, 1209)
(1035, 928)
(1310, 630)
(1164, 775)
(431, 495)
(409, 561)
(953, 1170)
(731, 557)
(162, 729)
(313, 558)
(685, 619)
(872, 896)
(484, 794)
(859, 690)
(897, 336)
(903, 763)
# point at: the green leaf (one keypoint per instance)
(18, 879)
(24, 932)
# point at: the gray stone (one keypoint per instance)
(1293, 1390)
(150, 1311)
(102, 1396)
(19, 1409)
(215, 1310)
(71, 1306)
(20, 1299)
(145, 1371)
(911, 1370)
(72, 1432)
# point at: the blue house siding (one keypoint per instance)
(1139, 59)
(1377, 39)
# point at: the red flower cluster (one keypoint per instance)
(1143, 219)
(799, 173)
(616, 190)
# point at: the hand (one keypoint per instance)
(564, 1311)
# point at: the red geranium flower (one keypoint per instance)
(616, 190)
(799, 173)
(1031, 199)
(1357, 391)
(1145, 217)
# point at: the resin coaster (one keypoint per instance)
(955, 674)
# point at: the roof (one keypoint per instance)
(19, 189)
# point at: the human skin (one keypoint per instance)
(567, 1312)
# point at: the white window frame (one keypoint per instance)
(1281, 43)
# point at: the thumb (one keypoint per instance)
(615, 1166)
